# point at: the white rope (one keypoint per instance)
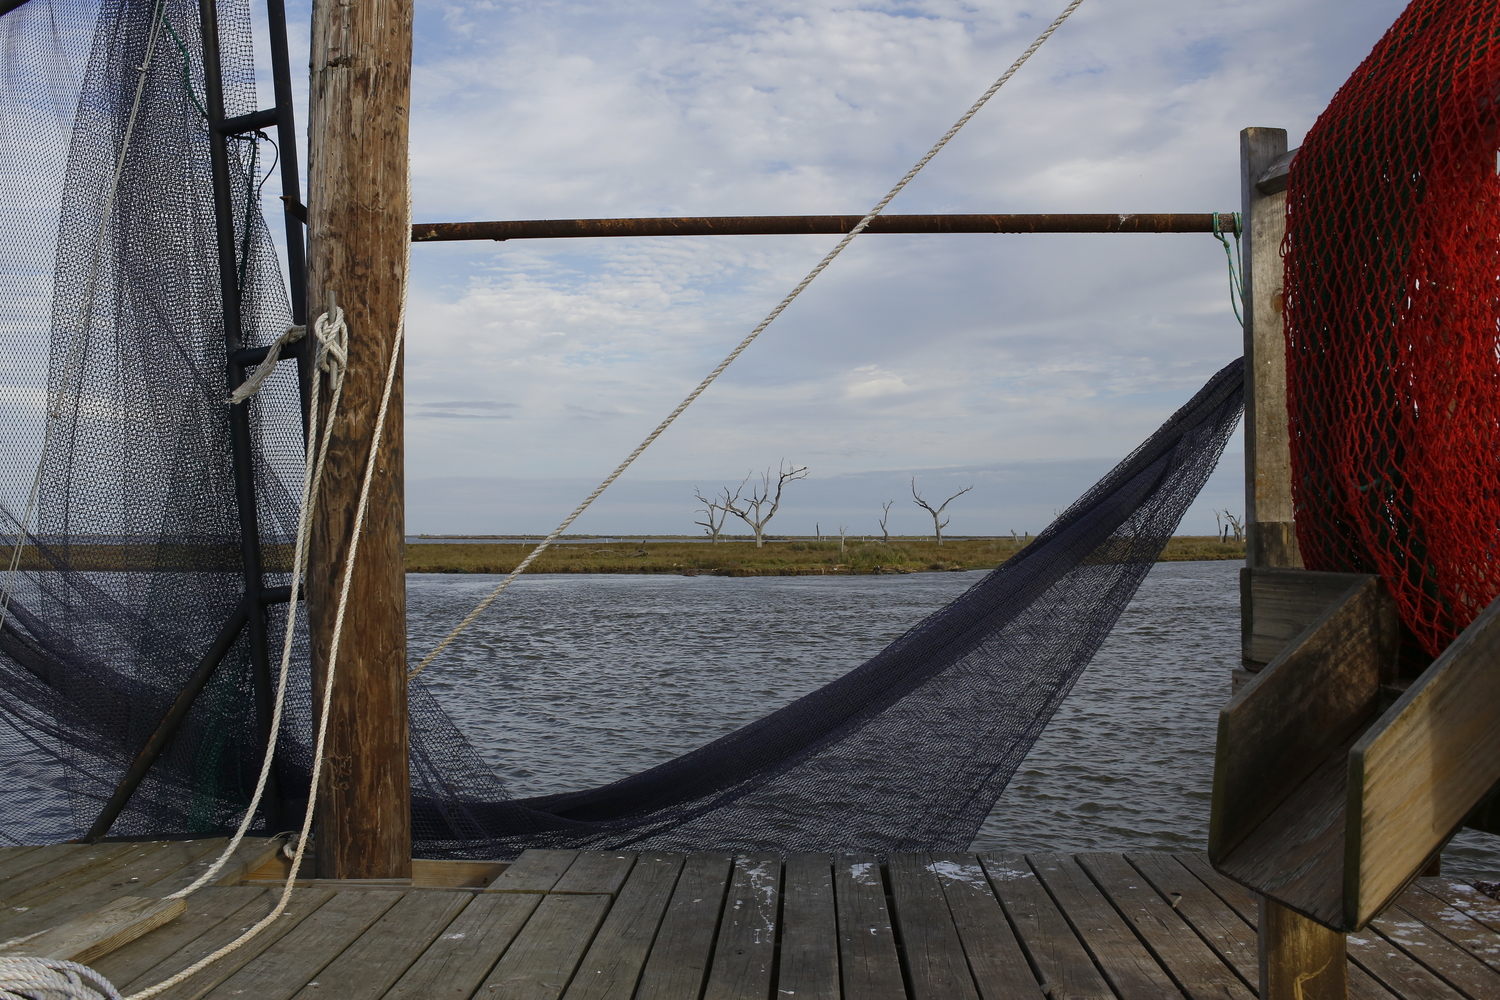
(749, 339)
(25, 978)
(75, 349)
(263, 371)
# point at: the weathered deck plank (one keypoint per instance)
(596, 873)
(613, 964)
(375, 960)
(1067, 971)
(809, 930)
(456, 963)
(867, 942)
(541, 961)
(679, 961)
(936, 966)
(1448, 961)
(534, 871)
(745, 954)
(206, 911)
(996, 958)
(1455, 925)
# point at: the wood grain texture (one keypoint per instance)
(1415, 775)
(595, 873)
(1453, 924)
(1230, 937)
(1299, 958)
(936, 966)
(1394, 970)
(304, 902)
(541, 961)
(1453, 964)
(1268, 457)
(206, 909)
(534, 871)
(1279, 604)
(359, 220)
(25, 858)
(456, 963)
(79, 866)
(867, 944)
(996, 959)
(297, 957)
(745, 953)
(94, 934)
(809, 968)
(1127, 965)
(612, 966)
(680, 957)
(1464, 898)
(374, 961)
(1203, 975)
(1067, 971)
(1304, 706)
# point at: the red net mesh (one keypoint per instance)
(1392, 304)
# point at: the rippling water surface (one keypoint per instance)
(572, 681)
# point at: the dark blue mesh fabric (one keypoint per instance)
(130, 568)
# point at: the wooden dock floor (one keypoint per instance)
(597, 925)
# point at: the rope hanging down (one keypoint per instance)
(749, 339)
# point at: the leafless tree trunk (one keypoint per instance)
(885, 513)
(708, 509)
(937, 525)
(1236, 526)
(753, 509)
(843, 530)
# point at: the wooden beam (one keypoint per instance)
(99, 932)
(359, 223)
(1271, 537)
(1420, 770)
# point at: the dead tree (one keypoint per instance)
(761, 505)
(885, 514)
(711, 526)
(937, 525)
(1236, 525)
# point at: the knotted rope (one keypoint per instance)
(26, 978)
(749, 339)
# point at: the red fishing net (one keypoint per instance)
(1392, 306)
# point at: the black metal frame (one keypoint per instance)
(250, 615)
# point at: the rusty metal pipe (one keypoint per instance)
(783, 225)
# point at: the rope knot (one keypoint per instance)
(333, 340)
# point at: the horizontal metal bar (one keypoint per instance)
(252, 122)
(275, 595)
(776, 225)
(245, 357)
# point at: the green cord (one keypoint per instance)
(254, 141)
(1236, 264)
(187, 65)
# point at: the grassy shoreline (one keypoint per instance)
(793, 557)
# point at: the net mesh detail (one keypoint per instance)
(1392, 315)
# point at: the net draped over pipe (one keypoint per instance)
(131, 565)
(1393, 320)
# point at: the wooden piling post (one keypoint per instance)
(358, 227)
(1299, 958)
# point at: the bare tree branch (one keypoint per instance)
(752, 509)
(885, 509)
(711, 526)
(937, 526)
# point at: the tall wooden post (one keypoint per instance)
(1299, 958)
(358, 230)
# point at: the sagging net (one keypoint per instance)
(1393, 319)
(113, 362)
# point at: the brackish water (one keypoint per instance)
(575, 680)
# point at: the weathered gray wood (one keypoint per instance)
(1067, 971)
(1202, 973)
(1388, 966)
(296, 958)
(34, 858)
(867, 945)
(534, 871)
(304, 902)
(1414, 776)
(1464, 898)
(1453, 964)
(206, 910)
(684, 945)
(1299, 958)
(541, 961)
(1453, 924)
(64, 899)
(1298, 711)
(1294, 855)
(613, 964)
(745, 952)
(1230, 937)
(374, 961)
(809, 967)
(935, 963)
(995, 957)
(251, 853)
(98, 932)
(1277, 606)
(1274, 177)
(456, 963)
(596, 873)
(1126, 964)
(65, 869)
(1270, 540)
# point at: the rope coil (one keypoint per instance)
(28, 978)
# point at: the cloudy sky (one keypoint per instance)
(1025, 364)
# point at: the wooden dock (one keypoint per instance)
(596, 925)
